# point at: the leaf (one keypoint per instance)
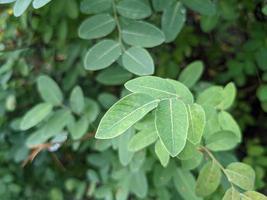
(39, 3)
(134, 9)
(77, 100)
(95, 7)
(252, 195)
(193, 162)
(142, 139)
(138, 61)
(91, 110)
(35, 115)
(191, 74)
(208, 179)
(229, 94)
(211, 96)
(189, 151)
(107, 99)
(204, 7)
(96, 26)
(139, 185)
(142, 34)
(125, 156)
(160, 5)
(49, 90)
(79, 128)
(154, 86)
(102, 55)
(6, 1)
(113, 75)
(173, 20)
(162, 153)
(172, 125)
(184, 183)
(231, 194)
(241, 175)
(197, 122)
(125, 113)
(222, 141)
(36, 138)
(20, 6)
(182, 91)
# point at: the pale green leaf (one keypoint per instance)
(35, 115)
(39, 3)
(139, 185)
(77, 100)
(20, 6)
(143, 34)
(253, 195)
(36, 138)
(162, 153)
(79, 128)
(91, 110)
(134, 9)
(204, 7)
(138, 61)
(211, 96)
(241, 175)
(197, 122)
(6, 1)
(94, 7)
(172, 125)
(193, 162)
(160, 5)
(192, 73)
(231, 194)
(49, 90)
(102, 55)
(124, 114)
(125, 156)
(208, 179)
(173, 20)
(229, 94)
(189, 151)
(97, 26)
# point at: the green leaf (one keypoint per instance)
(143, 34)
(241, 175)
(49, 90)
(222, 141)
(228, 123)
(142, 139)
(20, 6)
(160, 5)
(79, 128)
(91, 110)
(97, 26)
(264, 9)
(229, 94)
(208, 23)
(197, 122)
(124, 114)
(107, 99)
(172, 125)
(125, 156)
(211, 96)
(39, 3)
(139, 185)
(204, 7)
(138, 61)
(182, 91)
(184, 183)
(231, 194)
(162, 153)
(6, 1)
(252, 195)
(102, 55)
(154, 86)
(77, 100)
(189, 151)
(36, 138)
(209, 179)
(192, 73)
(35, 115)
(262, 92)
(173, 20)
(134, 9)
(94, 7)
(193, 162)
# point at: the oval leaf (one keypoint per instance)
(204, 7)
(39, 3)
(94, 7)
(231, 194)
(77, 100)
(20, 6)
(162, 153)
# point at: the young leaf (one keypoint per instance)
(173, 20)
(94, 7)
(162, 153)
(20, 6)
(125, 156)
(231, 194)
(138, 61)
(102, 55)
(252, 195)
(172, 125)
(142, 34)
(222, 141)
(134, 9)
(142, 139)
(49, 90)
(184, 183)
(241, 175)
(154, 86)
(197, 122)
(204, 7)
(124, 114)
(77, 100)
(35, 115)
(97, 26)
(208, 179)
(191, 74)
(39, 3)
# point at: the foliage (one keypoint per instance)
(192, 107)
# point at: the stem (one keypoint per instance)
(118, 24)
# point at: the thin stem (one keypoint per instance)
(117, 23)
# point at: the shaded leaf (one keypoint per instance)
(162, 153)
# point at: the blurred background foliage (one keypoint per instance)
(233, 46)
